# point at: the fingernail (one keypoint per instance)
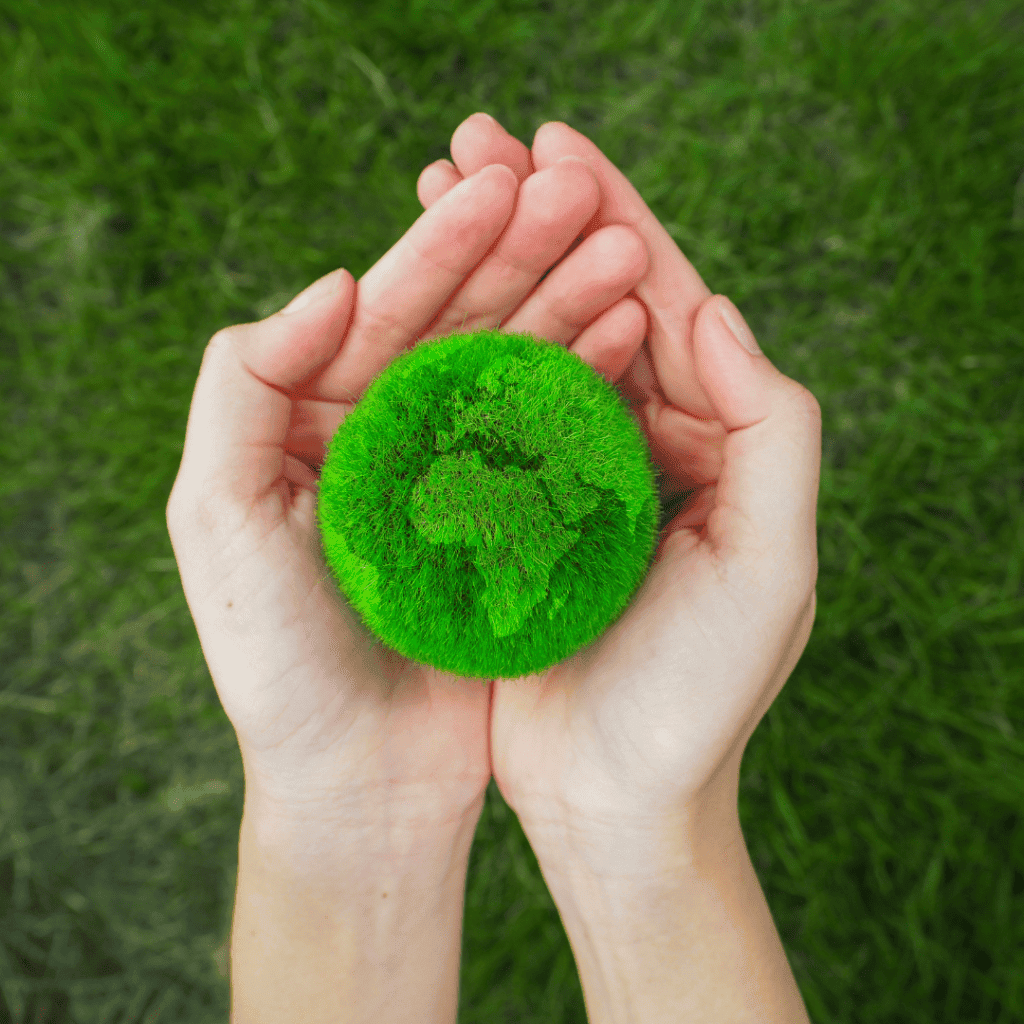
(321, 289)
(733, 319)
(489, 118)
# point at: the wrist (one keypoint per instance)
(376, 828)
(671, 924)
(614, 845)
(362, 925)
(614, 871)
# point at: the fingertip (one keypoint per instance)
(546, 128)
(503, 169)
(555, 139)
(482, 119)
(504, 177)
(589, 182)
(436, 180)
(480, 140)
(346, 286)
(494, 187)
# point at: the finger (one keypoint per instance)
(612, 341)
(672, 291)
(764, 521)
(241, 406)
(689, 450)
(480, 141)
(312, 426)
(551, 209)
(691, 518)
(399, 296)
(600, 272)
(436, 179)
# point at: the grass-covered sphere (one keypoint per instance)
(489, 505)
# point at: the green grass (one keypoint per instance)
(849, 173)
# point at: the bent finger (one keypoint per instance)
(600, 272)
(672, 291)
(436, 180)
(242, 403)
(480, 140)
(551, 209)
(400, 295)
(612, 341)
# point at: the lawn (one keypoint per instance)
(851, 174)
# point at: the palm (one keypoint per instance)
(587, 734)
(577, 735)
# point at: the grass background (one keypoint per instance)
(850, 173)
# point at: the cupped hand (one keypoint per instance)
(635, 743)
(331, 725)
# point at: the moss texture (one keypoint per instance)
(489, 506)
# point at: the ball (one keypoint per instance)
(489, 506)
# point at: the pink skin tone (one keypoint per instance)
(648, 723)
(648, 726)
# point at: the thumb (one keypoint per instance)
(241, 406)
(764, 522)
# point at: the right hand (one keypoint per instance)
(624, 753)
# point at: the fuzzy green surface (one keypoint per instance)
(848, 171)
(489, 505)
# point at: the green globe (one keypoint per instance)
(489, 506)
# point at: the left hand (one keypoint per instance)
(332, 726)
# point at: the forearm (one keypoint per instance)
(697, 944)
(349, 938)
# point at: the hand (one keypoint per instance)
(330, 724)
(642, 733)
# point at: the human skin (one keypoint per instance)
(473, 262)
(727, 608)
(622, 763)
(357, 761)
(364, 773)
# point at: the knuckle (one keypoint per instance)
(225, 337)
(809, 402)
(803, 405)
